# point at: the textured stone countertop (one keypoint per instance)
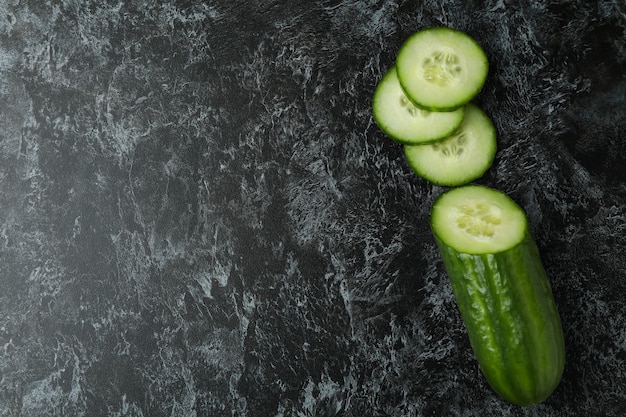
(199, 217)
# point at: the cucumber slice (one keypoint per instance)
(460, 158)
(399, 119)
(502, 291)
(441, 68)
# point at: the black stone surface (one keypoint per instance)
(199, 217)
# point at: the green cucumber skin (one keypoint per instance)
(508, 308)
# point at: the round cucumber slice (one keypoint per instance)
(460, 158)
(402, 121)
(441, 68)
(475, 219)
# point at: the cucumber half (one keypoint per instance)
(441, 69)
(460, 158)
(402, 121)
(502, 291)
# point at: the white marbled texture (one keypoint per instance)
(199, 216)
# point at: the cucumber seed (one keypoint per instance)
(441, 68)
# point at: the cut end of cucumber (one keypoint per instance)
(476, 219)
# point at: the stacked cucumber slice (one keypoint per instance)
(424, 102)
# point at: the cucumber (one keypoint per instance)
(460, 158)
(441, 68)
(400, 120)
(502, 291)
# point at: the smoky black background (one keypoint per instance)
(199, 217)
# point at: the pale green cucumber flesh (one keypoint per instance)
(476, 219)
(402, 121)
(441, 68)
(504, 297)
(460, 158)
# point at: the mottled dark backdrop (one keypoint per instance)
(199, 217)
